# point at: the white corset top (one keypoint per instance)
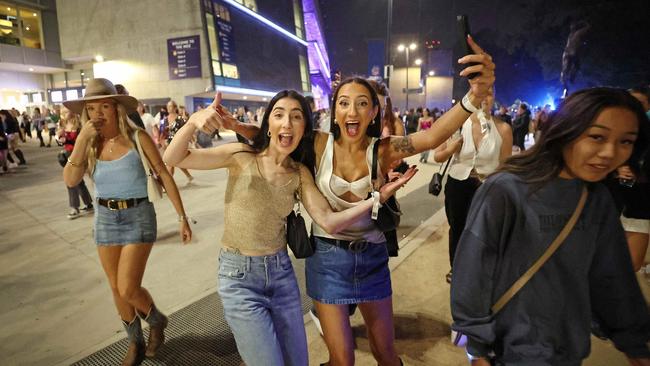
(359, 188)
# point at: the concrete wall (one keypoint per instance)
(439, 91)
(398, 83)
(132, 38)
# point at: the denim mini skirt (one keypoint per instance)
(134, 225)
(338, 276)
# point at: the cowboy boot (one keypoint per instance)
(135, 353)
(157, 324)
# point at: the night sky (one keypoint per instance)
(525, 37)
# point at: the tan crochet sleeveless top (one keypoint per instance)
(255, 211)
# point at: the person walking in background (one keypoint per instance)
(519, 211)
(482, 144)
(135, 116)
(174, 121)
(52, 123)
(39, 122)
(503, 115)
(125, 219)
(424, 123)
(26, 125)
(12, 132)
(148, 121)
(71, 126)
(520, 126)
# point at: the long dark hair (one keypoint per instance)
(544, 161)
(374, 129)
(304, 153)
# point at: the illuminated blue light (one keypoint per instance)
(265, 21)
(235, 90)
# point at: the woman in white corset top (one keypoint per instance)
(484, 142)
(257, 284)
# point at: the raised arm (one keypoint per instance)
(399, 147)
(332, 222)
(74, 170)
(226, 120)
(180, 155)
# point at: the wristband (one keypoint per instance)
(376, 204)
(181, 218)
(467, 105)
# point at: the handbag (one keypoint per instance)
(388, 217)
(62, 158)
(459, 339)
(435, 185)
(297, 237)
(154, 185)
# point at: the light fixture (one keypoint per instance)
(401, 47)
(31, 69)
(418, 62)
(27, 28)
(431, 73)
(34, 14)
(413, 46)
(236, 90)
(245, 97)
(99, 58)
(265, 99)
(8, 9)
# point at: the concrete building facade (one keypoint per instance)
(185, 50)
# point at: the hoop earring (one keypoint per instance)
(268, 133)
(373, 122)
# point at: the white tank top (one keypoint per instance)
(484, 161)
(363, 228)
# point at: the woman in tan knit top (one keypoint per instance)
(257, 284)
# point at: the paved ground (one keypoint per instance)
(56, 307)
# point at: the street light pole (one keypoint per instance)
(407, 79)
(408, 48)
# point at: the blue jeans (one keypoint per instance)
(262, 305)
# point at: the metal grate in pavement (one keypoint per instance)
(197, 335)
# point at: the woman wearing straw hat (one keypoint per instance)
(125, 219)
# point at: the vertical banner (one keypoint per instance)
(184, 57)
(376, 60)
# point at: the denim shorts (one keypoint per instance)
(262, 305)
(132, 225)
(340, 276)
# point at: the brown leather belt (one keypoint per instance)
(355, 246)
(113, 204)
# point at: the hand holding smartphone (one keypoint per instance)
(463, 31)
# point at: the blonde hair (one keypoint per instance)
(126, 127)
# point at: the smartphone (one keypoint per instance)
(463, 32)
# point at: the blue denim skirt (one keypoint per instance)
(339, 276)
(133, 225)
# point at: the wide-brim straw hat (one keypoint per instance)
(101, 89)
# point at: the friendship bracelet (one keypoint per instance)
(467, 105)
(73, 163)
